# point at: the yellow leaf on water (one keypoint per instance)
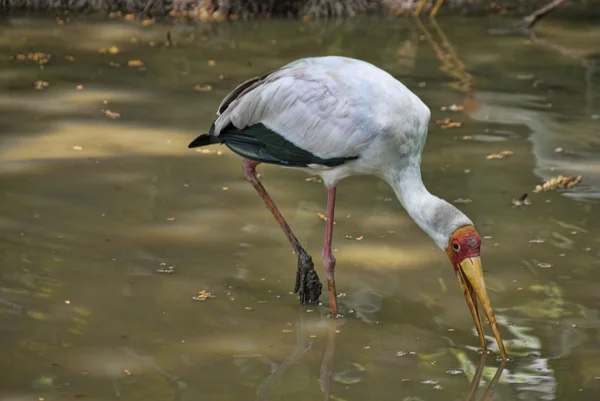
(135, 63)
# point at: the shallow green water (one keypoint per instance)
(91, 207)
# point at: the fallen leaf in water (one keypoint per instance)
(558, 150)
(558, 182)
(203, 296)
(501, 155)
(453, 107)
(359, 238)
(127, 372)
(248, 308)
(322, 216)
(129, 17)
(113, 50)
(464, 138)
(573, 325)
(69, 58)
(111, 114)
(448, 123)
(79, 87)
(170, 218)
(77, 147)
(147, 22)
(39, 57)
(203, 88)
(225, 188)
(40, 85)
(151, 43)
(67, 302)
(135, 63)
(212, 63)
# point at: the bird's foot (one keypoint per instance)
(308, 286)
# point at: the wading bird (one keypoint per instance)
(337, 117)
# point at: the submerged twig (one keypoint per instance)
(533, 18)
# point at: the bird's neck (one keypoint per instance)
(438, 218)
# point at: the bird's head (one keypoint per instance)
(463, 250)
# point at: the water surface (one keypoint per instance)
(93, 208)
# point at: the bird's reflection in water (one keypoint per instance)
(474, 385)
(304, 343)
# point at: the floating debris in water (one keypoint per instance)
(558, 182)
(38, 57)
(544, 265)
(165, 269)
(453, 107)
(537, 241)
(112, 114)
(313, 179)
(522, 201)
(359, 238)
(464, 137)
(212, 63)
(454, 371)
(401, 353)
(147, 22)
(203, 88)
(109, 50)
(203, 296)
(129, 17)
(321, 216)
(573, 325)
(558, 150)
(500, 156)
(77, 147)
(67, 302)
(135, 63)
(40, 85)
(448, 123)
(462, 200)
(127, 372)
(114, 64)
(79, 87)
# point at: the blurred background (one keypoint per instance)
(134, 268)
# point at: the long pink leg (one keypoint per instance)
(307, 286)
(327, 254)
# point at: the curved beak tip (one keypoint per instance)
(470, 277)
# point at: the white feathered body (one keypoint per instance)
(337, 107)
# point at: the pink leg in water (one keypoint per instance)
(327, 254)
(307, 286)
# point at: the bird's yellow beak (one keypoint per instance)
(470, 277)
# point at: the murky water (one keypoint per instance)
(93, 208)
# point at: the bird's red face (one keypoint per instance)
(463, 250)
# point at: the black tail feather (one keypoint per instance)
(205, 139)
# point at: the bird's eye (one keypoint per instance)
(456, 247)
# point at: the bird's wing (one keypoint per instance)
(317, 108)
